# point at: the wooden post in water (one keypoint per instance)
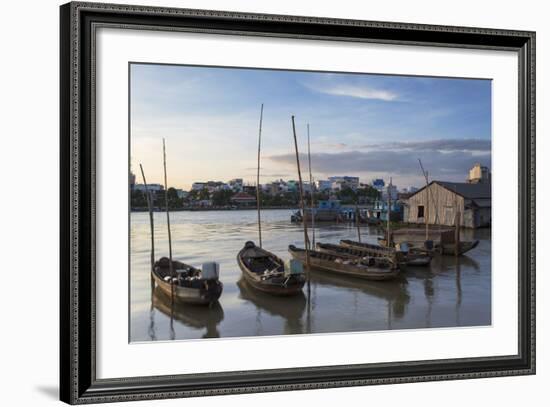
(258, 177)
(151, 224)
(358, 221)
(168, 219)
(311, 192)
(457, 227)
(427, 214)
(304, 219)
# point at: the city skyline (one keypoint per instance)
(370, 126)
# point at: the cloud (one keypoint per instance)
(443, 145)
(443, 165)
(354, 91)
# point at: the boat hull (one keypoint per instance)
(464, 247)
(410, 259)
(326, 262)
(188, 295)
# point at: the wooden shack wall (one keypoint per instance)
(442, 206)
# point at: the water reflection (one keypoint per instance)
(395, 293)
(451, 292)
(291, 309)
(192, 316)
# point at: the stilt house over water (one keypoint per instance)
(473, 201)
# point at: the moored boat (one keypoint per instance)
(410, 257)
(357, 252)
(188, 284)
(266, 272)
(369, 269)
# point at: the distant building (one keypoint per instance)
(197, 186)
(132, 180)
(210, 186)
(479, 174)
(154, 188)
(379, 211)
(390, 190)
(378, 184)
(440, 201)
(243, 199)
(236, 184)
(323, 185)
(292, 186)
(340, 182)
(275, 187)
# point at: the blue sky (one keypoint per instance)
(371, 126)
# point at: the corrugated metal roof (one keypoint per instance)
(482, 202)
(468, 191)
(471, 191)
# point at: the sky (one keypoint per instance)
(365, 125)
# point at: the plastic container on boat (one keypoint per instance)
(295, 267)
(210, 270)
(403, 247)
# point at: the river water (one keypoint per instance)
(451, 292)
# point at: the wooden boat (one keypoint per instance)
(265, 272)
(372, 250)
(412, 257)
(463, 247)
(357, 252)
(369, 269)
(189, 284)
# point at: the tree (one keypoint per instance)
(204, 194)
(174, 201)
(138, 199)
(222, 197)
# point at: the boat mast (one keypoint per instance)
(311, 191)
(426, 216)
(306, 239)
(388, 240)
(150, 207)
(358, 221)
(258, 176)
(168, 217)
(457, 226)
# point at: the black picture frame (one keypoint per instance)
(78, 382)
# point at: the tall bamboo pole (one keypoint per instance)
(430, 194)
(168, 219)
(258, 176)
(311, 191)
(358, 221)
(306, 238)
(457, 226)
(151, 224)
(427, 214)
(388, 239)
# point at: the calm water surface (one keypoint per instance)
(451, 292)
